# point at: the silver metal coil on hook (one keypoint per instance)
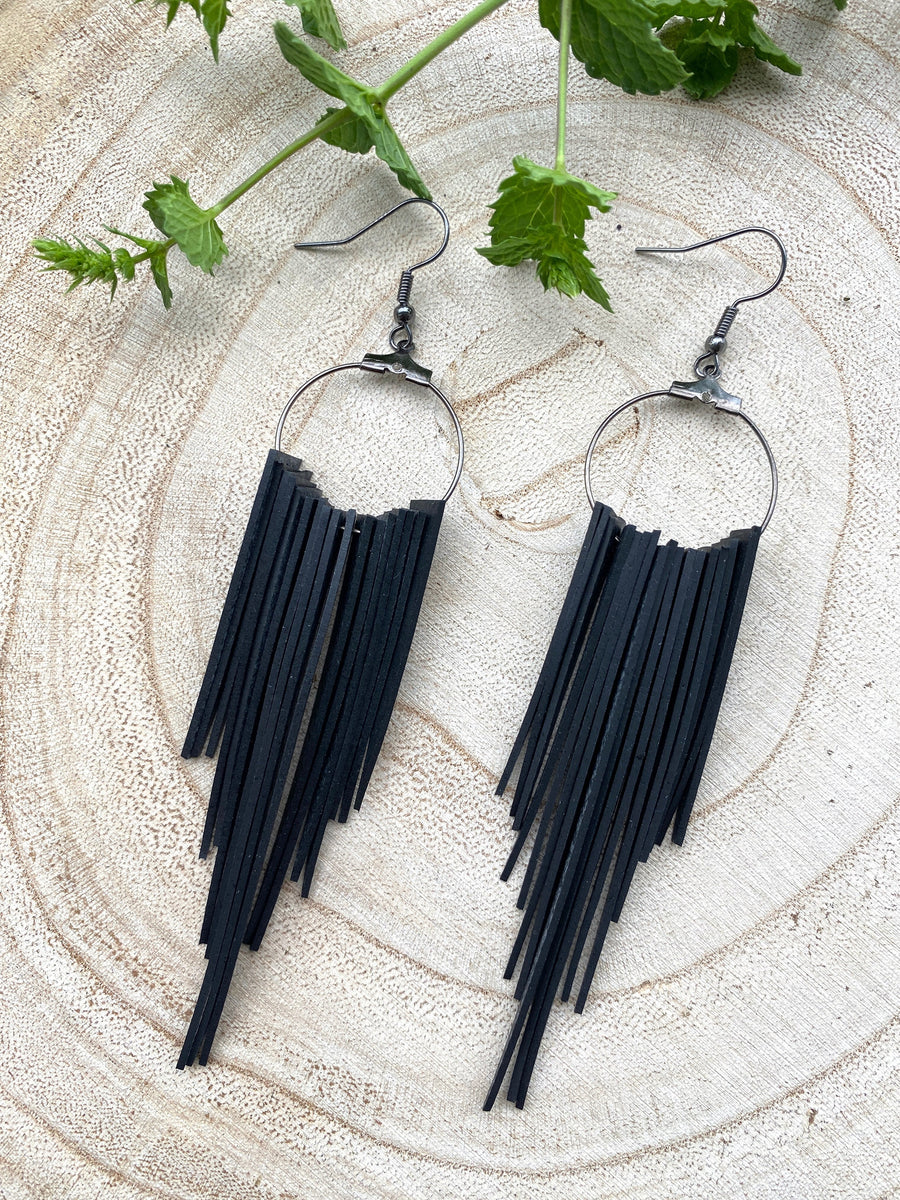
(400, 337)
(707, 366)
(399, 363)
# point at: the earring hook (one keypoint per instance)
(384, 216)
(708, 364)
(401, 335)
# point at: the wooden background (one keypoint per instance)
(743, 1037)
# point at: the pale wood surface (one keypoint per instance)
(743, 1037)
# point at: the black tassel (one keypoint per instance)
(317, 593)
(611, 750)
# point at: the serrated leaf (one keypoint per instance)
(615, 40)
(124, 263)
(157, 255)
(391, 150)
(560, 260)
(172, 7)
(370, 127)
(536, 195)
(212, 14)
(320, 21)
(312, 66)
(352, 136)
(540, 214)
(176, 215)
(359, 136)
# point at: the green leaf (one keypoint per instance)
(664, 10)
(840, 4)
(711, 58)
(615, 40)
(124, 264)
(359, 136)
(312, 66)
(560, 259)
(708, 43)
(320, 21)
(370, 127)
(214, 14)
(391, 150)
(352, 136)
(172, 7)
(540, 214)
(740, 20)
(160, 272)
(157, 256)
(535, 195)
(173, 212)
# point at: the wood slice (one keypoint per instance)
(742, 1038)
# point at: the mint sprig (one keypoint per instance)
(84, 263)
(540, 215)
(541, 212)
(100, 264)
(368, 125)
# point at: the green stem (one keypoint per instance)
(391, 85)
(396, 81)
(329, 122)
(562, 87)
(166, 245)
(383, 93)
(326, 124)
(565, 37)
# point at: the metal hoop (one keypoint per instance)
(422, 382)
(770, 458)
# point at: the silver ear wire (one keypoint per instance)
(400, 363)
(403, 310)
(706, 386)
(708, 363)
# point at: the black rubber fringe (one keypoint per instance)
(612, 749)
(318, 596)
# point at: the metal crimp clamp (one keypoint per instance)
(709, 391)
(398, 364)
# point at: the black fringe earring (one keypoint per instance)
(303, 674)
(613, 745)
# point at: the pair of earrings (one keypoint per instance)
(310, 651)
